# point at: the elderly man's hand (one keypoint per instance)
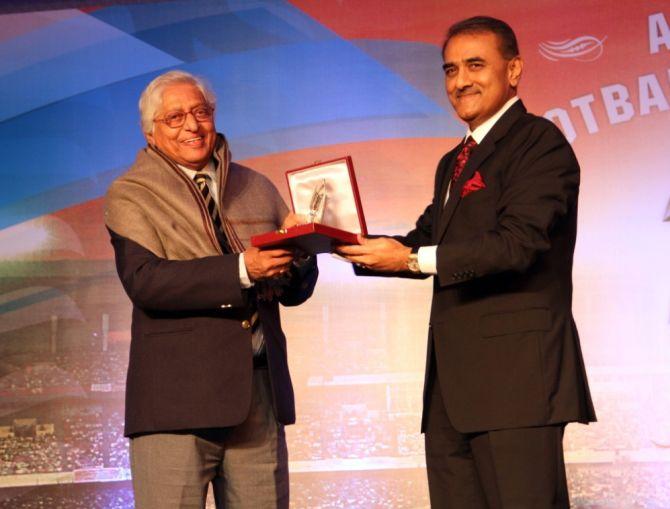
(267, 263)
(382, 254)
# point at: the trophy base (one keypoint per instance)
(312, 238)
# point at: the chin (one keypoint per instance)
(467, 117)
(467, 111)
(197, 157)
(193, 161)
(200, 163)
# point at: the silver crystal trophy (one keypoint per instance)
(318, 202)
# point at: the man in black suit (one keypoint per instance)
(208, 391)
(504, 371)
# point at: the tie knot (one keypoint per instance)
(469, 143)
(201, 177)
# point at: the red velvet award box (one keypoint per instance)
(326, 194)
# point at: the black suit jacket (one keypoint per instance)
(190, 357)
(505, 344)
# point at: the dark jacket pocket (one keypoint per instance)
(513, 322)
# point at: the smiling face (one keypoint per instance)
(478, 79)
(192, 144)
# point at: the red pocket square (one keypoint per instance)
(474, 184)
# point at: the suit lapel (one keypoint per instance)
(444, 173)
(479, 155)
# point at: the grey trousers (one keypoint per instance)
(246, 464)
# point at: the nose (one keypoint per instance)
(190, 123)
(462, 79)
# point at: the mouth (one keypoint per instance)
(196, 141)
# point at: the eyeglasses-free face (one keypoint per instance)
(479, 80)
(184, 128)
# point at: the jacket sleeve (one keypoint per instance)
(422, 233)
(540, 187)
(302, 283)
(157, 284)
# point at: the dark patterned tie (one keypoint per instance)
(462, 158)
(202, 181)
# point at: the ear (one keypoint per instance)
(150, 138)
(514, 70)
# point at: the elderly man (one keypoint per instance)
(208, 391)
(505, 370)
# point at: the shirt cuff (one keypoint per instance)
(427, 257)
(245, 282)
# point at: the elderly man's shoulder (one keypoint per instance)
(146, 171)
(245, 176)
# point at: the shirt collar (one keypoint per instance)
(483, 129)
(209, 169)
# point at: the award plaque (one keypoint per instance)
(325, 194)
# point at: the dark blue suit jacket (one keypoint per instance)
(190, 356)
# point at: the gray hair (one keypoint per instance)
(152, 96)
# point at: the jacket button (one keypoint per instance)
(246, 324)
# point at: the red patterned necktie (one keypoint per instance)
(462, 158)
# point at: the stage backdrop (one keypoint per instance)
(300, 81)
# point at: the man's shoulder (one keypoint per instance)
(239, 169)
(538, 125)
(144, 163)
(256, 180)
(530, 130)
(146, 170)
(531, 118)
(517, 122)
(235, 167)
(532, 137)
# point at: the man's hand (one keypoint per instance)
(382, 254)
(267, 263)
(294, 219)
